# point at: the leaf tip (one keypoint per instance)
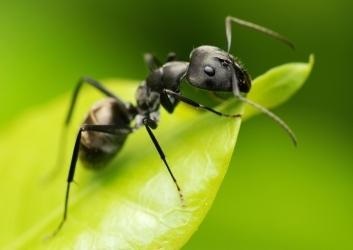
(311, 61)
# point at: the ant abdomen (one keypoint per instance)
(97, 148)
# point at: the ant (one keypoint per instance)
(108, 123)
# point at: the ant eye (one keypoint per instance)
(225, 64)
(209, 70)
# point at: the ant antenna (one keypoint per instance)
(264, 110)
(229, 20)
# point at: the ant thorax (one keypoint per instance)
(148, 103)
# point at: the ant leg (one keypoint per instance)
(229, 20)
(168, 103)
(197, 105)
(110, 129)
(70, 178)
(151, 61)
(97, 85)
(171, 57)
(264, 110)
(63, 138)
(149, 123)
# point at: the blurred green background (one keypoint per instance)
(274, 196)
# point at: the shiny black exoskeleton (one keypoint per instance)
(110, 121)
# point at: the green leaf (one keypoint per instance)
(132, 203)
(278, 84)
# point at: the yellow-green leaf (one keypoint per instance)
(132, 203)
(278, 84)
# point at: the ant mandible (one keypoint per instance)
(108, 123)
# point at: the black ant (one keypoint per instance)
(108, 123)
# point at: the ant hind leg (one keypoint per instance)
(63, 139)
(109, 129)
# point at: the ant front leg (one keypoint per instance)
(109, 129)
(196, 104)
(168, 102)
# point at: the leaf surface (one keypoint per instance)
(132, 203)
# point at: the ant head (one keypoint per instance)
(212, 68)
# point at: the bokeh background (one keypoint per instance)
(274, 196)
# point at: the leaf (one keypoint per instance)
(278, 84)
(132, 203)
